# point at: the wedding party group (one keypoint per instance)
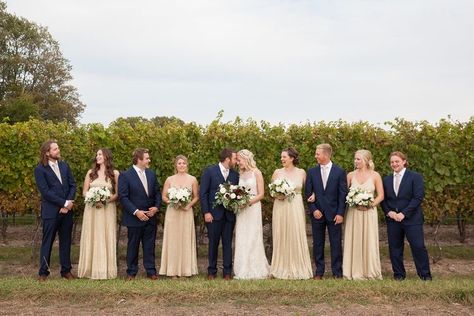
(341, 206)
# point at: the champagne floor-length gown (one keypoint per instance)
(361, 259)
(97, 256)
(178, 255)
(290, 258)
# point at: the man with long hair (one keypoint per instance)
(58, 189)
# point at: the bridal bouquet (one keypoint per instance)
(358, 197)
(232, 197)
(282, 188)
(97, 196)
(179, 197)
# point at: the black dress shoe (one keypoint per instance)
(337, 276)
(427, 278)
(398, 278)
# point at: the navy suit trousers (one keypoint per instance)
(61, 225)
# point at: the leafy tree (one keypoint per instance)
(19, 109)
(31, 63)
(161, 121)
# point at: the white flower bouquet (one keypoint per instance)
(358, 197)
(97, 196)
(179, 197)
(282, 189)
(232, 197)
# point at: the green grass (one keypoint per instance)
(198, 291)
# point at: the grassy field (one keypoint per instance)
(450, 293)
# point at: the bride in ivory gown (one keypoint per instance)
(250, 261)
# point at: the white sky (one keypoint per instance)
(284, 61)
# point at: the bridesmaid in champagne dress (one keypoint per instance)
(97, 256)
(178, 255)
(361, 259)
(290, 258)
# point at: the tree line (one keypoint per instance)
(442, 152)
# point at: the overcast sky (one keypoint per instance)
(284, 61)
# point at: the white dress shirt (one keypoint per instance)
(401, 173)
(327, 169)
(224, 171)
(55, 167)
(145, 185)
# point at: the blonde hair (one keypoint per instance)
(325, 148)
(248, 156)
(400, 155)
(178, 158)
(367, 158)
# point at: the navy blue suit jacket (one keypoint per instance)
(54, 193)
(133, 196)
(210, 181)
(410, 195)
(332, 200)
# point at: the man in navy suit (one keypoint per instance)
(140, 195)
(326, 190)
(58, 189)
(404, 192)
(220, 222)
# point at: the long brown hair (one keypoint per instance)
(44, 149)
(109, 166)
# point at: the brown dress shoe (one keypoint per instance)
(318, 277)
(68, 276)
(42, 278)
(152, 277)
(130, 277)
(227, 277)
(211, 276)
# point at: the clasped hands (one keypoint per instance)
(146, 215)
(67, 208)
(396, 216)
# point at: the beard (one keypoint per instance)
(55, 157)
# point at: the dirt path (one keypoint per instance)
(231, 308)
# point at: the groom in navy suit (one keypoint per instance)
(140, 195)
(404, 192)
(326, 190)
(220, 222)
(58, 189)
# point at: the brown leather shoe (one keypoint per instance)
(152, 277)
(130, 277)
(42, 278)
(318, 277)
(211, 276)
(227, 277)
(68, 276)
